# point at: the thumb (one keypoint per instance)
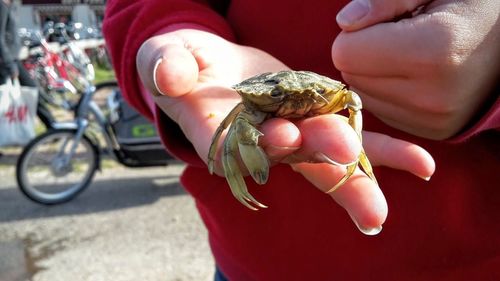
(166, 68)
(359, 14)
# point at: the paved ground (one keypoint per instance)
(131, 224)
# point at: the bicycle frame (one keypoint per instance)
(85, 108)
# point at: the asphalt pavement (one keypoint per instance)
(130, 224)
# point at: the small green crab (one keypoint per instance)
(285, 94)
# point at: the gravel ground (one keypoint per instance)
(130, 224)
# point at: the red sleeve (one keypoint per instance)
(488, 121)
(127, 24)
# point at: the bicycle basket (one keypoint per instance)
(137, 137)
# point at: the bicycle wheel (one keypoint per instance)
(53, 168)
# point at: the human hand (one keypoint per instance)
(195, 76)
(428, 74)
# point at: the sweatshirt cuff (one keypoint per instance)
(489, 121)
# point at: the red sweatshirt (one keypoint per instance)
(445, 229)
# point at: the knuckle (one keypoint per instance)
(393, 9)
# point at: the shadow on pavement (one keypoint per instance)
(101, 195)
(8, 158)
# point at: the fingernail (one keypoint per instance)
(426, 178)
(353, 12)
(370, 231)
(157, 64)
(367, 230)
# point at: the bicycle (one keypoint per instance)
(50, 69)
(59, 164)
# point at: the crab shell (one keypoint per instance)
(289, 94)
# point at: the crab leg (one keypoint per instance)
(353, 104)
(215, 139)
(356, 121)
(367, 166)
(350, 170)
(233, 172)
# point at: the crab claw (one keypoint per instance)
(241, 138)
(233, 172)
(253, 156)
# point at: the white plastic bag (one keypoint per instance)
(17, 113)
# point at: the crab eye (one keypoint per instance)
(276, 93)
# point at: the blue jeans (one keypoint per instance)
(219, 276)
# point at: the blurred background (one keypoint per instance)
(92, 195)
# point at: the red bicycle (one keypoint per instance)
(60, 74)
